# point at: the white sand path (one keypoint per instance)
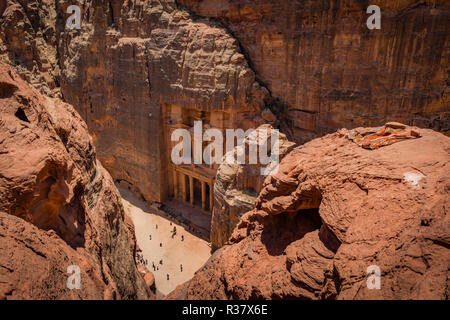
(192, 253)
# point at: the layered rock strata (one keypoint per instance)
(330, 71)
(333, 215)
(59, 207)
(238, 185)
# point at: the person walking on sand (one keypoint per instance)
(150, 237)
(167, 276)
(182, 237)
(160, 244)
(181, 267)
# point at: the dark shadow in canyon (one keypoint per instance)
(282, 229)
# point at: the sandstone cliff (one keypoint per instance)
(28, 40)
(137, 67)
(333, 210)
(69, 209)
(330, 71)
(237, 187)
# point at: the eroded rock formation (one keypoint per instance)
(28, 40)
(330, 71)
(238, 185)
(333, 210)
(137, 70)
(59, 207)
(143, 67)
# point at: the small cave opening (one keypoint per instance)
(7, 90)
(2, 7)
(63, 135)
(20, 114)
(71, 223)
(282, 229)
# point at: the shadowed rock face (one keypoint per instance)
(331, 71)
(133, 68)
(69, 209)
(237, 187)
(134, 63)
(332, 210)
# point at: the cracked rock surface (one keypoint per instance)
(332, 211)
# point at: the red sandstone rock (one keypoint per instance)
(236, 189)
(150, 64)
(28, 40)
(146, 67)
(332, 210)
(148, 276)
(133, 69)
(149, 280)
(51, 179)
(330, 70)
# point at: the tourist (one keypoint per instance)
(181, 267)
(160, 244)
(167, 276)
(150, 237)
(182, 237)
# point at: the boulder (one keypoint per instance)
(59, 206)
(334, 213)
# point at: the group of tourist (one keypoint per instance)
(155, 267)
(140, 258)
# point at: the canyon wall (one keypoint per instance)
(238, 185)
(330, 71)
(59, 207)
(334, 214)
(136, 68)
(28, 40)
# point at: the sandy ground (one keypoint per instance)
(192, 253)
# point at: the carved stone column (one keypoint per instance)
(211, 197)
(183, 186)
(191, 190)
(203, 195)
(175, 184)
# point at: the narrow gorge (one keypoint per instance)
(87, 126)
